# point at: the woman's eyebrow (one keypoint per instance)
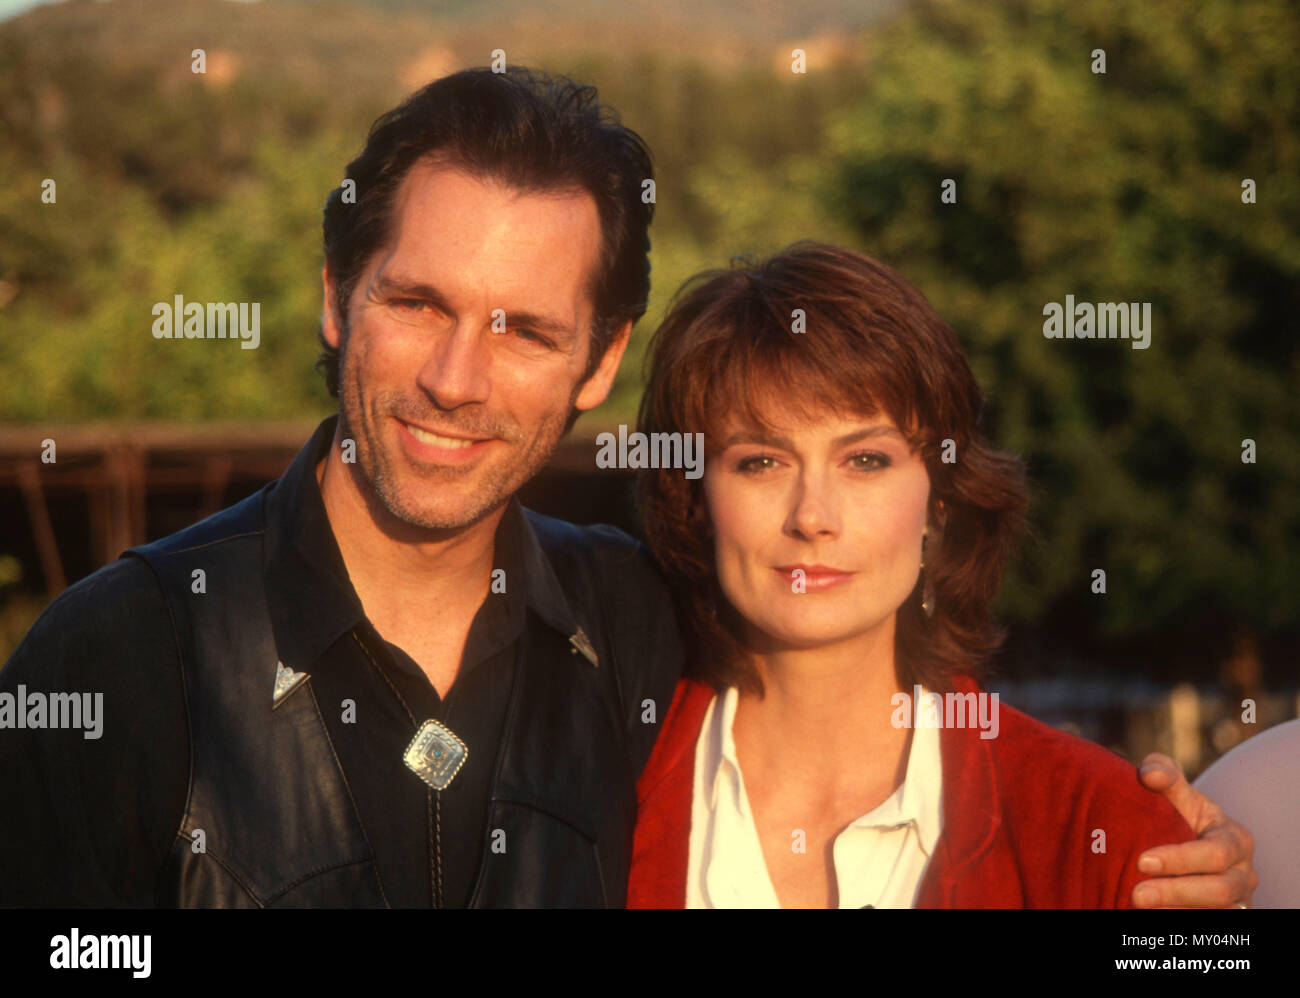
(872, 431)
(752, 437)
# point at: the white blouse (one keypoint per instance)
(879, 859)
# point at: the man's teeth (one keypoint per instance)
(425, 437)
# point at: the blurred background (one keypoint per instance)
(1122, 186)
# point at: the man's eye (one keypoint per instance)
(532, 336)
(410, 304)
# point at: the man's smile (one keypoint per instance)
(440, 448)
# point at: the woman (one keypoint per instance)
(835, 566)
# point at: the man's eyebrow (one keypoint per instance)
(543, 323)
(753, 437)
(402, 287)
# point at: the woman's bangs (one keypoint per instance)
(759, 381)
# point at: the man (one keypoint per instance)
(379, 681)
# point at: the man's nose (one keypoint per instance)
(457, 370)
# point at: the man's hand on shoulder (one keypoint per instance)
(1214, 870)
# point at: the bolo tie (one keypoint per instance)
(435, 755)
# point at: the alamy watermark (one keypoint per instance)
(95, 952)
(84, 711)
(651, 450)
(1103, 321)
(924, 709)
(182, 320)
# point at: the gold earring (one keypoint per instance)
(927, 586)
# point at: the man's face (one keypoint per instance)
(465, 339)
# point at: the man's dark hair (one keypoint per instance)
(530, 130)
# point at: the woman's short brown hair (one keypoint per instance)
(731, 345)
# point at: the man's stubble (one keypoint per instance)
(358, 414)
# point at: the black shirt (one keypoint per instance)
(91, 821)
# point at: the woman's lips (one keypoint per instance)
(815, 578)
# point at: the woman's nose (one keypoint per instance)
(812, 512)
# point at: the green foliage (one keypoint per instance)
(1117, 187)
(168, 185)
(85, 350)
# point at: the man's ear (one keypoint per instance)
(597, 387)
(330, 323)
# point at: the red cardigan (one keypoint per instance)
(1019, 812)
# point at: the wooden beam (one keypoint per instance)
(29, 478)
(216, 476)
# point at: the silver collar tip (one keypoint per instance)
(286, 681)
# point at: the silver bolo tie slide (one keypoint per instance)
(436, 755)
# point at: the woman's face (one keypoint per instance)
(843, 500)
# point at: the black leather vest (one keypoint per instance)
(266, 789)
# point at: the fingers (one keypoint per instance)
(1245, 842)
(1158, 772)
(1218, 850)
(1163, 775)
(1220, 890)
(1214, 871)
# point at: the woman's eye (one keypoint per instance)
(870, 461)
(755, 465)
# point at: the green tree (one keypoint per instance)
(1117, 187)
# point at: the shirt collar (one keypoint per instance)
(540, 587)
(728, 768)
(311, 597)
(919, 800)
